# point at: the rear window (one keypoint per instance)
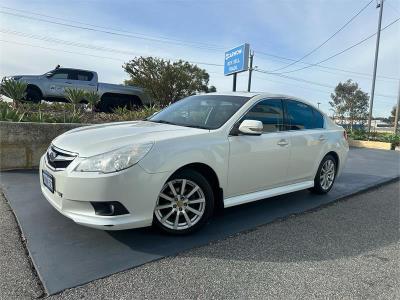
(84, 76)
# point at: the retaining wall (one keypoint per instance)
(22, 143)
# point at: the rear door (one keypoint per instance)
(259, 162)
(307, 138)
(84, 80)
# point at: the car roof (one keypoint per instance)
(72, 69)
(264, 95)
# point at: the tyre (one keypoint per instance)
(109, 102)
(184, 204)
(33, 95)
(326, 175)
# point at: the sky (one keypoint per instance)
(102, 35)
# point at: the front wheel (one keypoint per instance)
(33, 95)
(184, 203)
(326, 175)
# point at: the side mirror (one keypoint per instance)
(251, 127)
(48, 75)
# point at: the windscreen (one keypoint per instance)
(201, 111)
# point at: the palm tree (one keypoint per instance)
(92, 98)
(75, 96)
(16, 90)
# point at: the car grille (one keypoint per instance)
(59, 159)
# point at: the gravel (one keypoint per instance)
(17, 278)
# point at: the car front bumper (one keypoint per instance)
(134, 188)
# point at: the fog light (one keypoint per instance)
(111, 208)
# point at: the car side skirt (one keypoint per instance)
(241, 199)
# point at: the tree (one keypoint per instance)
(350, 102)
(167, 81)
(92, 98)
(16, 90)
(392, 115)
(75, 96)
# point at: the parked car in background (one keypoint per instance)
(51, 85)
(202, 152)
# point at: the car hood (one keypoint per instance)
(97, 139)
(27, 77)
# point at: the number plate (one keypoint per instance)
(48, 181)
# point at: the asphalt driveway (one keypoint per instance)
(347, 250)
(67, 255)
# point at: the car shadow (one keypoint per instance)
(349, 233)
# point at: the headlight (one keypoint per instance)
(16, 77)
(115, 160)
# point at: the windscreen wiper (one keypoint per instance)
(163, 122)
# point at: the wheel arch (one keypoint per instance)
(110, 100)
(336, 157)
(34, 87)
(110, 94)
(211, 176)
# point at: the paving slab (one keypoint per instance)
(66, 255)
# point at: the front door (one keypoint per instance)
(259, 162)
(59, 81)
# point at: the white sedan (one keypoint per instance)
(205, 151)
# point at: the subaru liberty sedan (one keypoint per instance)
(203, 152)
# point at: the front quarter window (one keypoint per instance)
(201, 111)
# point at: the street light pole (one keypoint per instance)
(318, 104)
(396, 118)
(250, 71)
(378, 37)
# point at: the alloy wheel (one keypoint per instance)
(180, 204)
(327, 174)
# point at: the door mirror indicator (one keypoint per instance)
(251, 127)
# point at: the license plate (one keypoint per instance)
(48, 181)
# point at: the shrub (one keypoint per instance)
(75, 96)
(7, 113)
(16, 90)
(386, 137)
(92, 98)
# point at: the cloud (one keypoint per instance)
(285, 28)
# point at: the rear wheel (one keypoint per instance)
(109, 102)
(184, 203)
(326, 175)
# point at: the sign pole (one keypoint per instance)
(234, 82)
(250, 71)
(396, 119)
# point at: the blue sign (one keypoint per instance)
(237, 60)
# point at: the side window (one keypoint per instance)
(269, 112)
(299, 115)
(60, 74)
(318, 119)
(84, 76)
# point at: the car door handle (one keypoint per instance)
(322, 138)
(68, 82)
(283, 143)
